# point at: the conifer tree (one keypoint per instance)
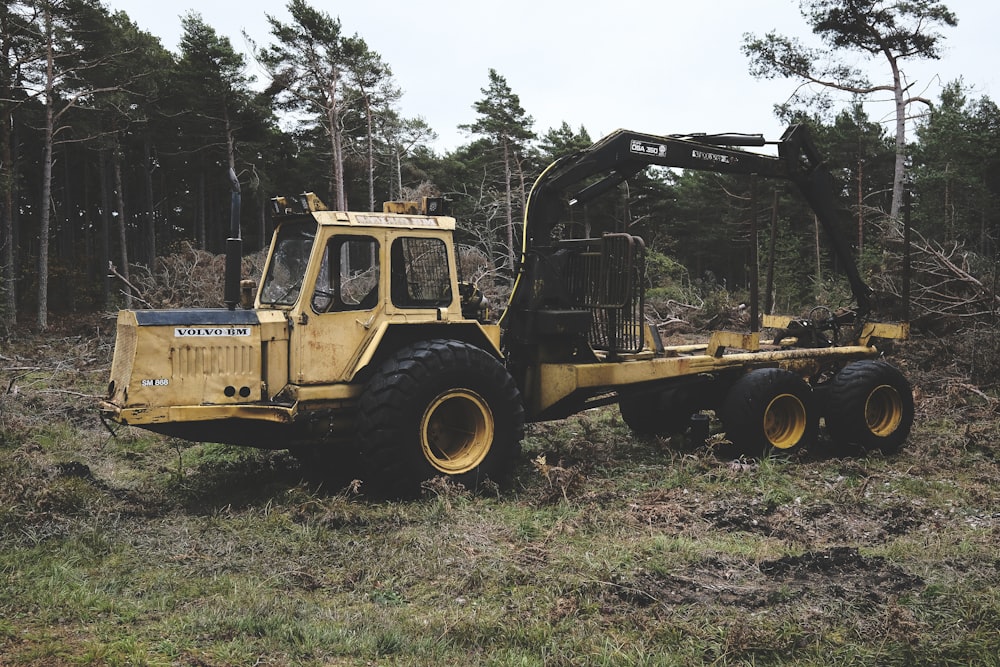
(893, 30)
(503, 122)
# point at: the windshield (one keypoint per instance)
(287, 269)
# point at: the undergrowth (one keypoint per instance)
(607, 549)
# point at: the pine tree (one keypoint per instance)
(894, 31)
(505, 125)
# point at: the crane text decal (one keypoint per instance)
(187, 332)
(714, 157)
(397, 221)
(647, 148)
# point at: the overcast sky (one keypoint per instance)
(658, 66)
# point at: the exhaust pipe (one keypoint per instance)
(234, 246)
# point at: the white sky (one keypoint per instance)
(658, 66)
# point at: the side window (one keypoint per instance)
(420, 273)
(348, 276)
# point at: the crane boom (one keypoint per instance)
(624, 153)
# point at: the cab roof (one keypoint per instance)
(398, 215)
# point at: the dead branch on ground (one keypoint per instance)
(943, 283)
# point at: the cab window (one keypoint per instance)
(420, 276)
(348, 276)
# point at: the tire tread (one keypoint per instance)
(386, 441)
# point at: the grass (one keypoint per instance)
(608, 550)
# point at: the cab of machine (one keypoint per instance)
(342, 278)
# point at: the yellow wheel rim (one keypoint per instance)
(883, 410)
(456, 432)
(784, 421)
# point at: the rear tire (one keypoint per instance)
(438, 408)
(869, 404)
(770, 410)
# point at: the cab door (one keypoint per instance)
(338, 312)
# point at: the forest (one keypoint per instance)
(120, 546)
(115, 156)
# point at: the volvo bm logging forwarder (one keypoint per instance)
(361, 344)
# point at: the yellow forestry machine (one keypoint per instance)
(361, 344)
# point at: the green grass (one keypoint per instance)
(141, 550)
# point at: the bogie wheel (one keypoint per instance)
(869, 404)
(658, 413)
(770, 410)
(438, 408)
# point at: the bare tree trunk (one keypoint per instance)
(510, 205)
(522, 186)
(861, 202)
(949, 211)
(336, 147)
(7, 213)
(371, 153)
(523, 202)
(149, 220)
(771, 259)
(64, 233)
(899, 172)
(199, 224)
(105, 231)
(230, 142)
(985, 242)
(122, 232)
(819, 256)
(398, 194)
(43, 234)
(264, 236)
(45, 210)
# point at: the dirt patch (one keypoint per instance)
(844, 572)
(805, 524)
(817, 523)
(840, 573)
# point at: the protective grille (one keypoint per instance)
(420, 273)
(605, 276)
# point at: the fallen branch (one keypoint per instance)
(943, 284)
(67, 391)
(973, 389)
(113, 271)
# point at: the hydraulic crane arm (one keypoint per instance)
(622, 154)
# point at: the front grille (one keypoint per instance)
(224, 360)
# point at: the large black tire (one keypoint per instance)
(658, 413)
(438, 408)
(770, 410)
(869, 404)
